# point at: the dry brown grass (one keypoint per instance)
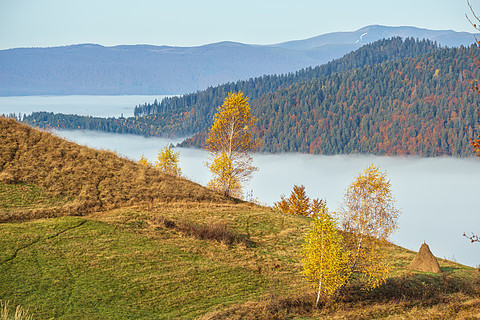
(6, 313)
(95, 180)
(301, 306)
(217, 231)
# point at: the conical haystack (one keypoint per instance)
(425, 261)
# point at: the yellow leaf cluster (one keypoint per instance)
(231, 142)
(325, 262)
(224, 181)
(369, 217)
(167, 161)
(231, 130)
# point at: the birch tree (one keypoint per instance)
(167, 161)
(231, 144)
(369, 217)
(325, 262)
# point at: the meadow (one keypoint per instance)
(182, 253)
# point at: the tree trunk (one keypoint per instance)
(318, 294)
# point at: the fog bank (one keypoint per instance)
(438, 197)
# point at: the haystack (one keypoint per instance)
(425, 261)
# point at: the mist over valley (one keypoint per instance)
(437, 196)
(96, 230)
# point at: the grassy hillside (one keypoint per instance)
(149, 263)
(78, 180)
(183, 253)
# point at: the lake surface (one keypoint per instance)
(438, 196)
(97, 106)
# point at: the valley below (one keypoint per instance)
(92, 228)
(437, 195)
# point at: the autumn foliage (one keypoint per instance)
(369, 217)
(225, 179)
(325, 261)
(298, 203)
(167, 161)
(476, 145)
(231, 143)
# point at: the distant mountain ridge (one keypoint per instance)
(147, 69)
(448, 38)
(371, 101)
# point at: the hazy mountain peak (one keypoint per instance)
(373, 33)
(148, 69)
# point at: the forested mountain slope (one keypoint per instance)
(194, 112)
(371, 54)
(417, 105)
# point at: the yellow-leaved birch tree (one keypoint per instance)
(231, 144)
(325, 261)
(369, 217)
(167, 161)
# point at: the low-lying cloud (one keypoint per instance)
(438, 197)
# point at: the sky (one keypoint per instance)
(46, 23)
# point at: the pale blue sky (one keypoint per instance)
(40, 23)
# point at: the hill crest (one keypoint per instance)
(94, 180)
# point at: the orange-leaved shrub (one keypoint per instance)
(298, 203)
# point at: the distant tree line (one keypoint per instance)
(369, 101)
(151, 125)
(193, 113)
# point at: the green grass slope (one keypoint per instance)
(128, 264)
(149, 263)
(183, 253)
